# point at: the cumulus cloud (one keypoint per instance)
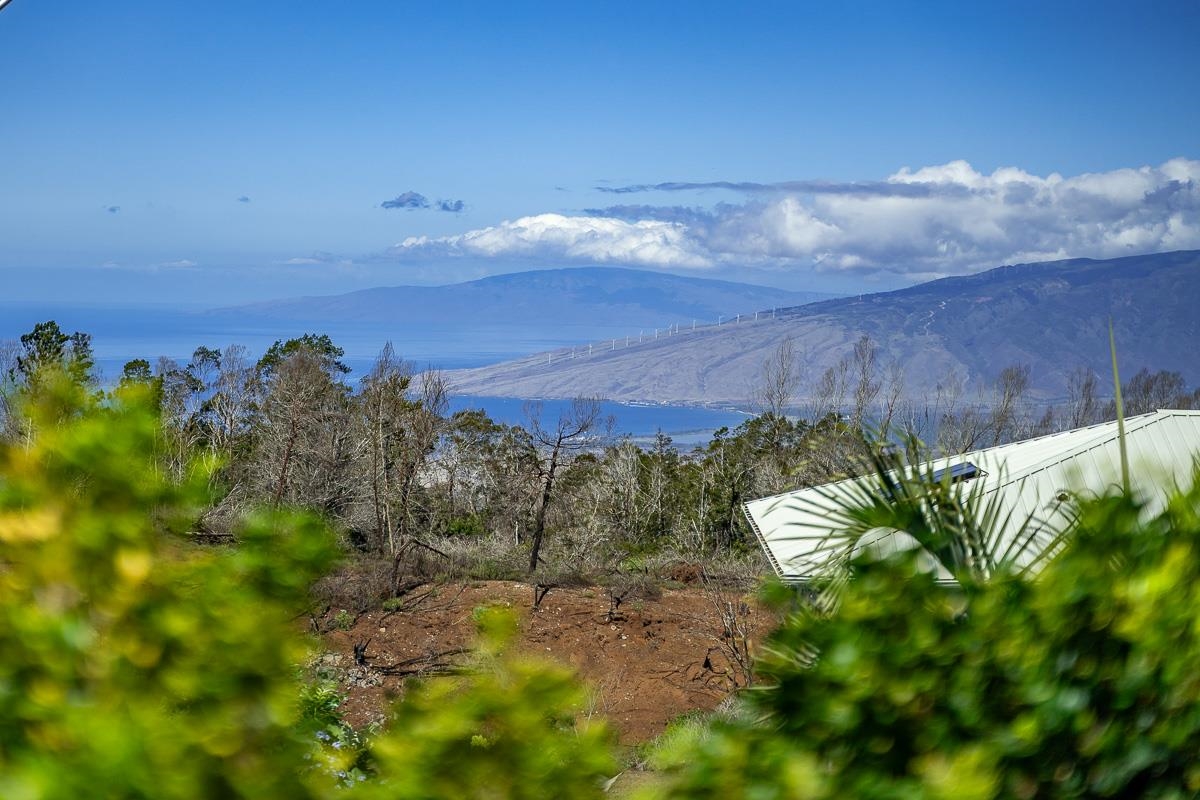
(183, 263)
(633, 213)
(318, 257)
(598, 240)
(921, 223)
(453, 206)
(406, 200)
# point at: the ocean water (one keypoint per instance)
(122, 334)
(687, 426)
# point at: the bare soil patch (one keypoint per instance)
(649, 658)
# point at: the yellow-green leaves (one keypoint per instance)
(1079, 682)
(135, 665)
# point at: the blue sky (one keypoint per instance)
(228, 151)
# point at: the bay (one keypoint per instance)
(120, 334)
(688, 426)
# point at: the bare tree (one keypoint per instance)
(232, 387)
(579, 428)
(781, 377)
(866, 382)
(422, 429)
(959, 428)
(384, 401)
(9, 351)
(179, 394)
(830, 395)
(1149, 391)
(1007, 410)
(734, 636)
(404, 420)
(304, 443)
(1083, 403)
(893, 389)
(984, 422)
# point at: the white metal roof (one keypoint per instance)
(800, 535)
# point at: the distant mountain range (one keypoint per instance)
(1052, 316)
(614, 297)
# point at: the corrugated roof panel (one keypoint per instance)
(800, 534)
(1173, 441)
(1175, 436)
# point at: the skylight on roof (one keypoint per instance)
(958, 472)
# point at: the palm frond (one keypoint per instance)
(964, 526)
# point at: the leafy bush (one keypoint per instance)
(1079, 682)
(135, 665)
(467, 525)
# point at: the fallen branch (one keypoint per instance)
(430, 663)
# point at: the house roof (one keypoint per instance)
(1029, 481)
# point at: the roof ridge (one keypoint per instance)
(1111, 432)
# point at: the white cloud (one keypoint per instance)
(600, 240)
(931, 221)
(318, 258)
(183, 263)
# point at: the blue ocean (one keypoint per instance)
(149, 332)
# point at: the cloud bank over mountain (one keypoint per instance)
(555, 237)
(917, 223)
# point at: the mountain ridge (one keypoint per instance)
(625, 296)
(1050, 315)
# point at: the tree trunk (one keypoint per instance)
(539, 527)
(287, 458)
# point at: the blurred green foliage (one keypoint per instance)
(134, 664)
(1080, 682)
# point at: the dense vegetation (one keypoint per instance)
(419, 490)
(1080, 682)
(402, 481)
(138, 662)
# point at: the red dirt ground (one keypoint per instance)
(657, 656)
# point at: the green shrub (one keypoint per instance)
(468, 525)
(319, 704)
(673, 747)
(136, 665)
(133, 664)
(1081, 682)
